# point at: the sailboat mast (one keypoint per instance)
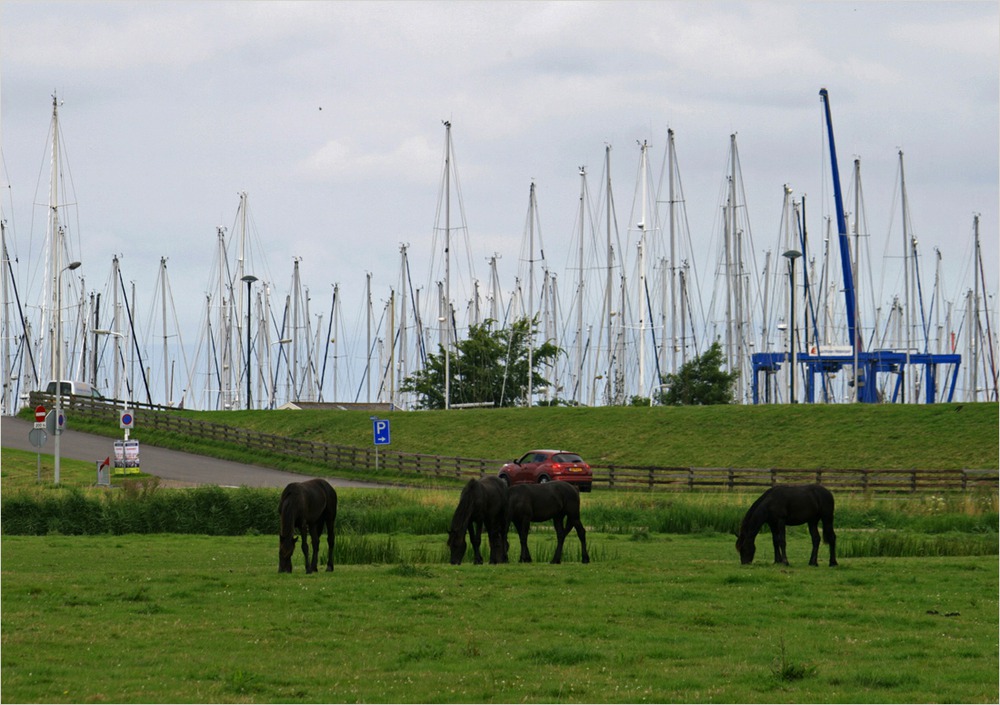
(974, 329)
(577, 389)
(641, 299)
(55, 248)
(447, 264)
(9, 407)
(531, 288)
(672, 206)
(163, 310)
(609, 285)
(729, 228)
(368, 348)
(404, 290)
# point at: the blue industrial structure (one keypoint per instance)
(866, 364)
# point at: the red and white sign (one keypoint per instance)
(39, 414)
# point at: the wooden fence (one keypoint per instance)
(626, 477)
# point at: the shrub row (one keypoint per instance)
(208, 510)
(141, 508)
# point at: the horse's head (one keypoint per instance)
(746, 547)
(456, 542)
(286, 547)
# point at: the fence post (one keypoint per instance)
(732, 479)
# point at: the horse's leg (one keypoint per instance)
(831, 538)
(522, 533)
(314, 532)
(561, 532)
(498, 553)
(778, 539)
(814, 533)
(330, 539)
(582, 534)
(304, 530)
(476, 538)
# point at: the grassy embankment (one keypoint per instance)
(942, 436)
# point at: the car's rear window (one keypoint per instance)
(567, 458)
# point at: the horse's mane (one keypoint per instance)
(466, 505)
(751, 524)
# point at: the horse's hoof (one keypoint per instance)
(585, 560)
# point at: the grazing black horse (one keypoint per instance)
(788, 505)
(559, 501)
(483, 503)
(306, 506)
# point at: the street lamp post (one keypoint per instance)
(59, 371)
(249, 279)
(791, 255)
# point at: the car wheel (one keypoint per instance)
(542, 479)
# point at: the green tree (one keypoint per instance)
(488, 367)
(700, 381)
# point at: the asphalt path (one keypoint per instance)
(170, 465)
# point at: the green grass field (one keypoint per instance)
(654, 618)
(663, 613)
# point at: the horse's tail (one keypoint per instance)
(466, 503)
(331, 502)
(285, 514)
(828, 504)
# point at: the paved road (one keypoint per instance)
(167, 464)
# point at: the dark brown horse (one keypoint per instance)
(483, 504)
(558, 501)
(789, 505)
(306, 506)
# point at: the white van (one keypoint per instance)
(80, 389)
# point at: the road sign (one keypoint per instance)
(39, 414)
(381, 431)
(38, 436)
(55, 424)
(127, 419)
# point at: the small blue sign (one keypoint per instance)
(380, 429)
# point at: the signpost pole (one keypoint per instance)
(39, 434)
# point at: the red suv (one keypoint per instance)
(546, 465)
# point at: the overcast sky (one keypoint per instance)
(329, 115)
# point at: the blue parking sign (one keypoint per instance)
(380, 429)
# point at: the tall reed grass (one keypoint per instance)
(940, 525)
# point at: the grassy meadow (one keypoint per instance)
(113, 595)
(653, 618)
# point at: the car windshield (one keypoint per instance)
(567, 458)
